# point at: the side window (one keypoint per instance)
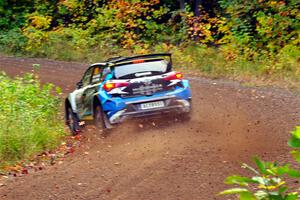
(97, 74)
(87, 77)
(106, 71)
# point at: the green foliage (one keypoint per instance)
(13, 13)
(12, 41)
(29, 117)
(130, 22)
(295, 143)
(263, 26)
(268, 180)
(204, 28)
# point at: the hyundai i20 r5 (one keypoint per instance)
(127, 87)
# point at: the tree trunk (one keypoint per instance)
(182, 5)
(197, 4)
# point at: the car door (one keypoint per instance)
(91, 89)
(80, 92)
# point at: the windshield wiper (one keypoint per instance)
(139, 74)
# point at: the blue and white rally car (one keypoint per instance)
(127, 87)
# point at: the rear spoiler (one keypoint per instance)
(117, 60)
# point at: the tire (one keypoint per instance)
(72, 121)
(99, 118)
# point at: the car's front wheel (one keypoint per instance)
(72, 121)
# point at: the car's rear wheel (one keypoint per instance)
(72, 121)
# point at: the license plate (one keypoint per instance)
(150, 105)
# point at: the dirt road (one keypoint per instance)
(164, 159)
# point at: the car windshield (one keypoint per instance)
(136, 70)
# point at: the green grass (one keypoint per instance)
(30, 119)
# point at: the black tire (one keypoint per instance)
(72, 121)
(99, 118)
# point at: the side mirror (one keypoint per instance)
(79, 85)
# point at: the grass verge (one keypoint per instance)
(30, 119)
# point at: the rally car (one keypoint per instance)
(127, 87)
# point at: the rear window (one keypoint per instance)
(136, 70)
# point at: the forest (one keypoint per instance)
(233, 38)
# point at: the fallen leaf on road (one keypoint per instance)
(24, 171)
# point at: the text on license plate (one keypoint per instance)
(156, 104)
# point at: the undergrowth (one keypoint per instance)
(30, 119)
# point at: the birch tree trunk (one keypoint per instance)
(197, 4)
(182, 5)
